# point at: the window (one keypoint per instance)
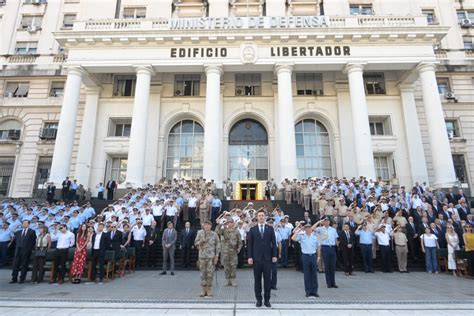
(134, 13)
(10, 130)
(6, 173)
(118, 171)
(57, 89)
(374, 83)
(465, 15)
(185, 151)
(468, 43)
(17, 89)
(460, 168)
(35, 1)
(120, 127)
(31, 22)
(68, 21)
(313, 154)
(26, 48)
(443, 85)
(430, 16)
(124, 86)
(187, 84)
(364, 9)
(380, 125)
(452, 128)
(382, 169)
(43, 170)
(309, 84)
(248, 84)
(49, 130)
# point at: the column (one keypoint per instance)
(67, 126)
(138, 133)
(213, 125)
(364, 155)
(416, 154)
(286, 123)
(442, 160)
(86, 142)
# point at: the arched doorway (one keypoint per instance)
(184, 157)
(313, 151)
(248, 151)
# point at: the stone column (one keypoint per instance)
(364, 155)
(286, 123)
(138, 133)
(86, 142)
(416, 154)
(442, 160)
(213, 125)
(67, 126)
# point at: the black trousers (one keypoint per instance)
(329, 258)
(385, 251)
(241, 257)
(191, 215)
(60, 263)
(110, 194)
(413, 247)
(187, 256)
(151, 254)
(470, 262)
(97, 258)
(37, 274)
(348, 259)
(139, 252)
(262, 268)
(20, 263)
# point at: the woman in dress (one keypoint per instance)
(453, 245)
(80, 254)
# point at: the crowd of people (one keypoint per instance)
(344, 219)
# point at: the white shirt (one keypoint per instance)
(192, 202)
(97, 241)
(429, 241)
(65, 240)
(157, 210)
(171, 211)
(383, 239)
(139, 233)
(147, 219)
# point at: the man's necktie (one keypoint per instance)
(112, 235)
(348, 236)
(261, 231)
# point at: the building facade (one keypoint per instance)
(137, 90)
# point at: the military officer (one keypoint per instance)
(231, 243)
(209, 246)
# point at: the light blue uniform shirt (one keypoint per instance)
(277, 236)
(285, 233)
(327, 236)
(365, 237)
(5, 235)
(216, 203)
(309, 244)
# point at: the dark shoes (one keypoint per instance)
(172, 273)
(13, 281)
(259, 304)
(274, 288)
(163, 273)
(267, 304)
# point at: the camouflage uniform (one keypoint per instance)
(209, 247)
(231, 244)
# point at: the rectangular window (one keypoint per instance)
(382, 169)
(120, 127)
(380, 125)
(463, 15)
(17, 89)
(134, 13)
(124, 86)
(248, 84)
(468, 43)
(363, 9)
(6, 172)
(43, 170)
(460, 168)
(430, 16)
(49, 130)
(26, 48)
(374, 83)
(187, 84)
(35, 1)
(452, 128)
(443, 85)
(118, 170)
(68, 21)
(31, 23)
(309, 84)
(57, 89)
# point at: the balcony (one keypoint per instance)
(22, 59)
(190, 8)
(247, 7)
(303, 7)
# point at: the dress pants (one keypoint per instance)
(310, 274)
(470, 262)
(241, 256)
(366, 250)
(139, 252)
(60, 263)
(97, 258)
(348, 259)
(401, 252)
(214, 214)
(274, 274)
(386, 253)
(284, 253)
(186, 256)
(191, 215)
(3, 252)
(37, 274)
(329, 257)
(262, 268)
(168, 252)
(21, 260)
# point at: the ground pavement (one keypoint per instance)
(143, 292)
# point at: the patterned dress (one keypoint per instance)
(79, 257)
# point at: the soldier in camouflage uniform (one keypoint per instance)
(209, 247)
(231, 244)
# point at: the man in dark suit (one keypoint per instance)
(412, 236)
(99, 247)
(111, 186)
(25, 241)
(151, 242)
(463, 211)
(262, 251)
(115, 240)
(50, 191)
(65, 188)
(187, 244)
(346, 245)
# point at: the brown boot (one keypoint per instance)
(203, 291)
(209, 292)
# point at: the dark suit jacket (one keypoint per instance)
(352, 228)
(462, 214)
(104, 242)
(114, 244)
(421, 229)
(153, 234)
(343, 242)
(187, 240)
(411, 231)
(25, 244)
(262, 249)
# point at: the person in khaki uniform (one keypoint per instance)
(231, 243)
(209, 246)
(287, 186)
(203, 209)
(306, 197)
(315, 201)
(294, 186)
(401, 248)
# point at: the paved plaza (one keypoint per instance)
(142, 291)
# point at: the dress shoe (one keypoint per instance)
(335, 286)
(308, 295)
(274, 288)
(163, 273)
(315, 295)
(259, 304)
(267, 304)
(13, 281)
(172, 273)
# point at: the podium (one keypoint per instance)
(248, 190)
